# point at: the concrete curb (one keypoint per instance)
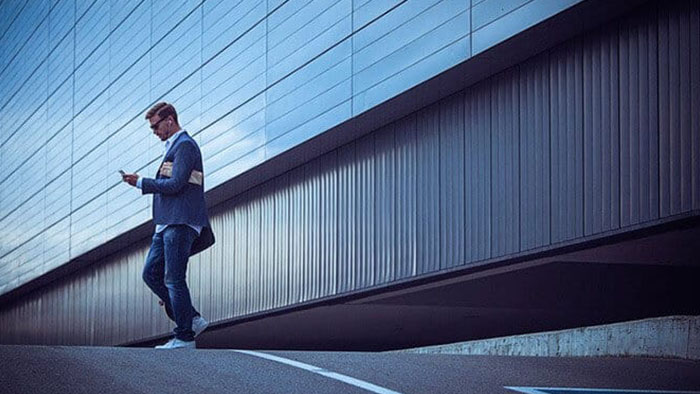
(668, 337)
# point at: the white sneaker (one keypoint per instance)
(178, 344)
(199, 324)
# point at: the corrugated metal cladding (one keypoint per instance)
(596, 134)
(250, 79)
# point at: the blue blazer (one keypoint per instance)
(175, 200)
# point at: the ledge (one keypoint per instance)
(666, 337)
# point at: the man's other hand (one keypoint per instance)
(130, 179)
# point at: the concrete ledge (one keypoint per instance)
(668, 337)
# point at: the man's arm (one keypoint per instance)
(183, 164)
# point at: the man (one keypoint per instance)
(182, 223)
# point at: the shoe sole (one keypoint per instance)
(175, 348)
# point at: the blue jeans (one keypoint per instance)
(165, 271)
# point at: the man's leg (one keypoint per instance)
(177, 241)
(154, 274)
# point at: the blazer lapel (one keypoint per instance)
(165, 155)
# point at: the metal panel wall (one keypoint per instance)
(639, 135)
(250, 79)
(574, 142)
(280, 264)
(385, 204)
(566, 119)
(428, 189)
(477, 197)
(406, 46)
(534, 154)
(602, 117)
(452, 186)
(298, 235)
(679, 100)
(405, 262)
(267, 251)
(505, 163)
(348, 239)
(365, 211)
(327, 201)
(497, 20)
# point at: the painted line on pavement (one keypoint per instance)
(321, 371)
(546, 390)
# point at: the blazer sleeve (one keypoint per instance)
(183, 164)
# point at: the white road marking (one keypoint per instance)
(321, 371)
(543, 390)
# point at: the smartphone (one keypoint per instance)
(122, 172)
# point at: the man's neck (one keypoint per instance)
(177, 130)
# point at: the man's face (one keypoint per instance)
(159, 127)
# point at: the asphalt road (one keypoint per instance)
(61, 369)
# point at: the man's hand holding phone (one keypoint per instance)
(129, 178)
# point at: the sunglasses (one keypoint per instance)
(154, 126)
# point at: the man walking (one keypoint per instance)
(182, 223)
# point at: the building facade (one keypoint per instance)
(348, 145)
